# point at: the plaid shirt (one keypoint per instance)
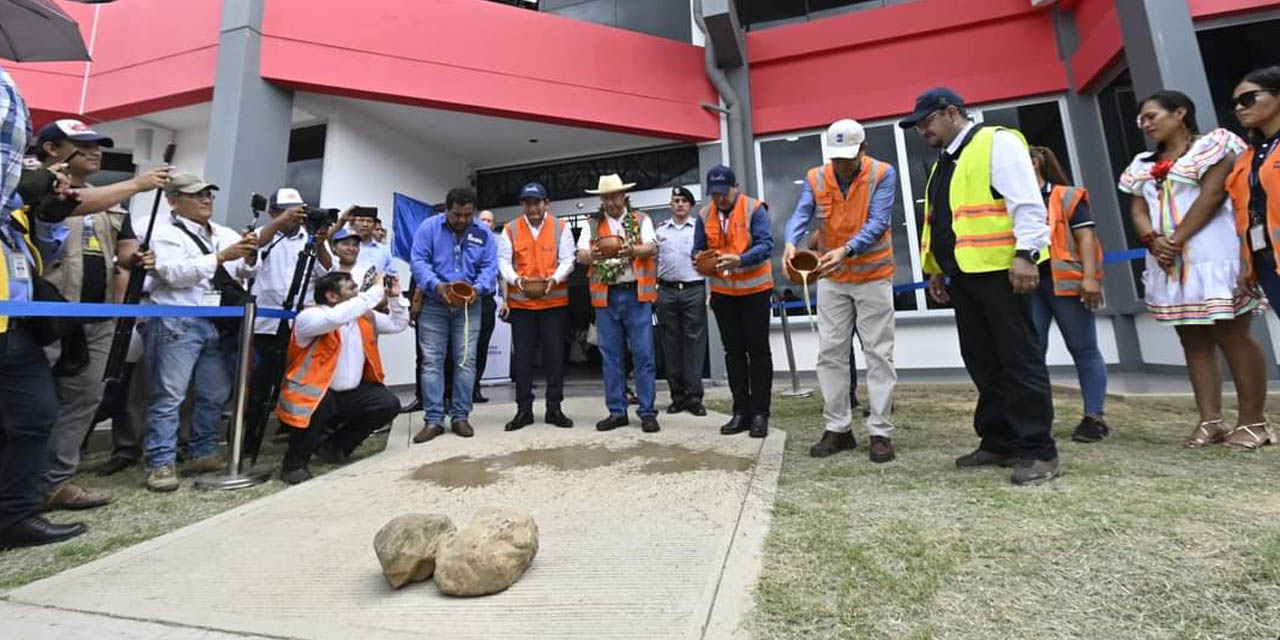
(15, 131)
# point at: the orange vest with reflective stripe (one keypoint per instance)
(645, 269)
(536, 257)
(1064, 257)
(311, 369)
(735, 238)
(1238, 187)
(842, 216)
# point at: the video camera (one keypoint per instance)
(318, 219)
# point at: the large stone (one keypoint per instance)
(407, 544)
(489, 554)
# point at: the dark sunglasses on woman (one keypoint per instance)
(1249, 98)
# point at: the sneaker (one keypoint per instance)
(832, 443)
(1034, 471)
(163, 479)
(211, 463)
(1090, 429)
(983, 458)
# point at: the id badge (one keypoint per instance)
(1257, 237)
(19, 267)
(211, 299)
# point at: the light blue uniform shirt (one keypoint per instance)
(675, 251)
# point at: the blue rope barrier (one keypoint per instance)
(102, 310)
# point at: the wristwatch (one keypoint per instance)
(1026, 254)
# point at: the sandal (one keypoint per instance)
(1207, 433)
(1254, 440)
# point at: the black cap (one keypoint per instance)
(683, 193)
(935, 99)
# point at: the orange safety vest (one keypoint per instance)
(843, 215)
(1064, 257)
(536, 257)
(645, 269)
(736, 239)
(1238, 187)
(311, 370)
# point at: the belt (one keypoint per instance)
(680, 286)
(623, 286)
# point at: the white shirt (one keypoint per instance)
(184, 274)
(564, 255)
(1015, 178)
(276, 262)
(344, 317)
(615, 228)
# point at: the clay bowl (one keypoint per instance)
(804, 260)
(609, 246)
(535, 287)
(462, 292)
(705, 262)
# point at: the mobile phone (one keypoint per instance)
(371, 212)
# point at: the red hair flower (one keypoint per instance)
(1161, 169)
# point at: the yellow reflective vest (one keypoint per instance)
(982, 224)
(20, 216)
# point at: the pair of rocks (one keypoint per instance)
(486, 556)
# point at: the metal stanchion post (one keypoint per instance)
(796, 391)
(234, 477)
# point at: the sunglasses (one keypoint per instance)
(1249, 98)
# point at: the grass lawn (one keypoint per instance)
(137, 514)
(1140, 538)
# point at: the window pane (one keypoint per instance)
(1119, 109)
(881, 146)
(783, 164)
(1040, 123)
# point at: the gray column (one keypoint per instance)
(1162, 51)
(249, 127)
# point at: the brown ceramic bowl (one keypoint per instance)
(609, 246)
(461, 292)
(803, 260)
(705, 262)
(535, 287)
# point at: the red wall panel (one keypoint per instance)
(490, 58)
(871, 64)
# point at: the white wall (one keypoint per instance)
(131, 135)
(922, 343)
(365, 163)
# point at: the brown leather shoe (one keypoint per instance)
(881, 449)
(74, 497)
(462, 428)
(431, 430)
(832, 443)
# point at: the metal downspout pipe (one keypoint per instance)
(732, 104)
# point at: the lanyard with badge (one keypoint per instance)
(19, 268)
(1257, 206)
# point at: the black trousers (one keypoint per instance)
(1001, 351)
(682, 327)
(268, 369)
(28, 409)
(488, 315)
(360, 411)
(744, 330)
(546, 327)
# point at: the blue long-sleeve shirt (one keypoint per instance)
(761, 236)
(441, 255)
(879, 216)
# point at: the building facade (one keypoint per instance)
(353, 101)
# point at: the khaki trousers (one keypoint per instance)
(869, 307)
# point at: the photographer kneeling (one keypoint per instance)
(334, 373)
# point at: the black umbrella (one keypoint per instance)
(39, 31)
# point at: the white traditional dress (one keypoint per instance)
(1201, 287)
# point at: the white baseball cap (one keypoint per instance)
(285, 198)
(845, 138)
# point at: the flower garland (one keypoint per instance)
(610, 269)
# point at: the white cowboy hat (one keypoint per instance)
(611, 183)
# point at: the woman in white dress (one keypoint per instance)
(1194, 279)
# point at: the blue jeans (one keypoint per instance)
(626, 323)
(1076, 323)
(177, 349)
(1264, 264)
(439, 327)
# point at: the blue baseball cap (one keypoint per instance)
(932, 100)
(343, 234)
(533, 190)
(720, 179)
